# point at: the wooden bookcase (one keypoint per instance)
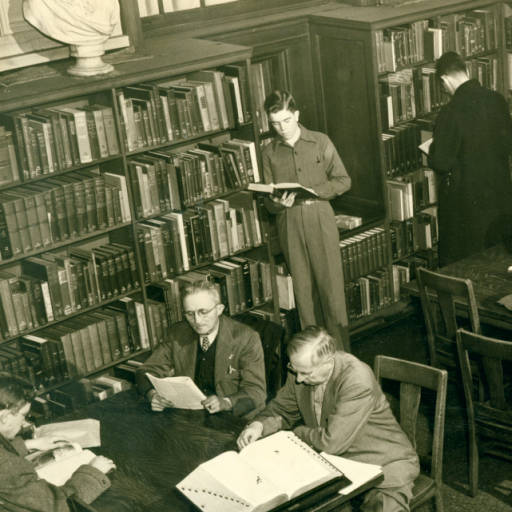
(162, 59)
(347, 77)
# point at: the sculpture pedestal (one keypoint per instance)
(88, 60)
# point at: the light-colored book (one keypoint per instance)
(86, 432)
(181, 391)
(358, 472)
(263, 475)
(425, 146)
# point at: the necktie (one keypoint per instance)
(205, 343)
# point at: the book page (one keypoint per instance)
(84, 432)
(261, 187)
(229, 478)
(358, 472)
(58, 464)
(425, 146)
(181, 391)
(289, 463)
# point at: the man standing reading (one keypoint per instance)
(221, 355)
(472, 143)
(307, 229)
(333, 402)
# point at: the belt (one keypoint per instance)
(301, 202)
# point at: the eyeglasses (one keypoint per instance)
(201, 313)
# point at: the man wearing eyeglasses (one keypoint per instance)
(333, 402)
(223, 357)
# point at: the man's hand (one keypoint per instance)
(286, 200)
(215, 404)
(45, 443)
(102, 464)
(158, 403)
(249, 434)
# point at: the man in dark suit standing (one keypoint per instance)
(470, 150)
(221, 355)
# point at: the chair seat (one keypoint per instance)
(424, 488)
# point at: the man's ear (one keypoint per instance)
(220, 309)
(296, 114)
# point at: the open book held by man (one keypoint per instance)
(301, 192)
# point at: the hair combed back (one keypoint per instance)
(14, 391)
(313, 338)
(279, 100)
(449, 63)
(203, 285)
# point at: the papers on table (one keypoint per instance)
(181, 391)
(86, 432)
(358, 472)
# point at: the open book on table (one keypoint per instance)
(58, 464)
(278, 189)
(262, 476)
(181, 391)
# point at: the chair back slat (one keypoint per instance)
(410, 397)
(441, 296)
(413, 377)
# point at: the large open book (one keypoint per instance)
(301, 191)
(262, 476)
(58, 464)
(181, 391)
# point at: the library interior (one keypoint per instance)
(255, 255)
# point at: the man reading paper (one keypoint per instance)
(333, 403)
(221, 355)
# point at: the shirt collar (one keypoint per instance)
(211, 336)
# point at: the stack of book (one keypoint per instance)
(57, 138)
(401, 153)
(364, 253)
(179, 241)
(198, 103)
(36, 216)
(165, 179)
(243, 282)
(78, 346)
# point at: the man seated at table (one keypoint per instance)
(20, 487)
(333, 402)
(221, 355)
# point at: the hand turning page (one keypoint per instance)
(181, 391)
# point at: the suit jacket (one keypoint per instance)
(239, 363)
(21, 490)
(472, 142)
(356, 420)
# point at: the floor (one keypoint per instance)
(406, 339)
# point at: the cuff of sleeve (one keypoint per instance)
(19, 445)
(301, 432)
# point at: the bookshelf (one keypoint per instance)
(378, 104)
(100, 228)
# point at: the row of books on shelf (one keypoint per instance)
(38, 215)
(78, 346)
(369, 293)
(243, 283)
(262, 74)
(364, 253)
(168, 179)
(179, 241)
(411, 92)
(420, 232)
(55, 285)
(411, 192)
(169, 110)
(507, 20)
(60, 137)
(467, 33)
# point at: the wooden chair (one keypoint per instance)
(488, 399)
(439, 295)
(412, 378)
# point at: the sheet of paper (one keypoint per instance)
(358, 472)
(59, 471)
(425, 146)
(84, 432)
(181, 391)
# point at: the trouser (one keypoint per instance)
(388, 499)
(310, 242)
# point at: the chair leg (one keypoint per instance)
(438, 500)
(473, 462)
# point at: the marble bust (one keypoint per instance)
(83, 24)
